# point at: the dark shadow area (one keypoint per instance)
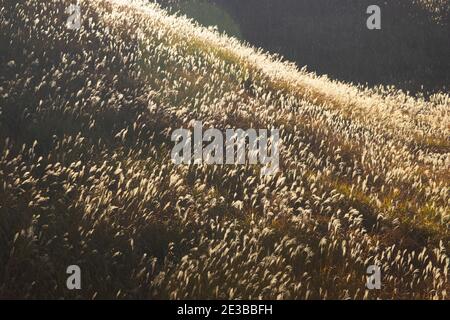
(411, 51)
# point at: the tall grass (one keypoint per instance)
(86, 176)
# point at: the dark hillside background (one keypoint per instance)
(330, 36)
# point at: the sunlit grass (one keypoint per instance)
(86, 174)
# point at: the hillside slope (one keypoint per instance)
(86, 177)
(331, 37)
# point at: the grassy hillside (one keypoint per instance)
(331, 37)
(207, 14)
(86, 177)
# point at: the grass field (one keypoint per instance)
(86, 176)
(331, 37)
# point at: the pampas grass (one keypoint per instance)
(86, 176)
